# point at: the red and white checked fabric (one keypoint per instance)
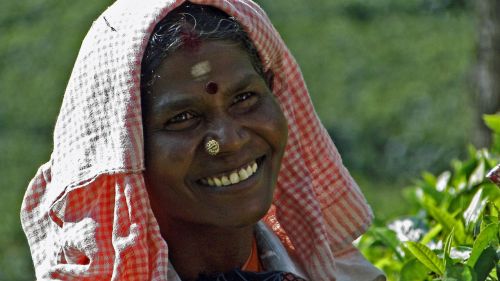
(86, 213)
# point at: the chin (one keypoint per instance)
(250, 215)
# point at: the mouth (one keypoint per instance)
(235, 176)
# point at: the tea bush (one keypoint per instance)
(452, 232)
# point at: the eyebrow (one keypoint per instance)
(172, 104)
(243, 83)
(178, 102)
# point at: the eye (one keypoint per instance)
(182, 121)
(245, 100)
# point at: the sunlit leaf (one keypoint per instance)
(493, 122)
(432, 233)
(475, 208)
(478, 174)
(493, 209)
(413, 270)
(429, 178)
(466, 168)
(442, 181)
(488, 236)
(426, 256)
(491, 190)
(448, 222)
(490, 215)
(460, 182)
(487, 220)
(472, 152)
(447, 247)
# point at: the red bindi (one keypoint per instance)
(211, 87)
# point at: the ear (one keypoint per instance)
(269, 77)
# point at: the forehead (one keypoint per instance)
(219, 61)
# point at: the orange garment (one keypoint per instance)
(253, 262)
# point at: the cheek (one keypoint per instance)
(165, 154)
(276, 126)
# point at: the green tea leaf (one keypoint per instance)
(448, 222)
(447, 248)
(493, 209)
(426, 256)
(388, 238)
(487, 220)
(491, 191)
(498, 267)
(429, 194)
(487, 237)
(431, 234)
(493, 122)
(471, 214)
(413, 270)
(485, 263)
(447, 243)
(460, 182)
(459, 272)
(442, 181)
(429, 178)
(472, 152)
(478, 174)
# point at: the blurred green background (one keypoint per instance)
(390, 80)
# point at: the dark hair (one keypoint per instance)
(186, 27)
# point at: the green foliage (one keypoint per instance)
(388, 79)
(426, 256)
(493, 123)
(453, 231)
(39, 41)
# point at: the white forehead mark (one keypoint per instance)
(200, 70)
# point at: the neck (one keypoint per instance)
(195, 249)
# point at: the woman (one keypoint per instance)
(181, 127)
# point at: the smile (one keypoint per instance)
(233, 177)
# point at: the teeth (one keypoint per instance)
(217, 182)
(234, 177)
(243, 174)
(210, 181)
(225, 180)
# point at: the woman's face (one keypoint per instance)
(181, 114)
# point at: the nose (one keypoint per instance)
(230, 134)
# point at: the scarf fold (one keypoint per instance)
(86, 212)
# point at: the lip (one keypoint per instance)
(247, 183)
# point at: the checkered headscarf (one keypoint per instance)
(86, 213)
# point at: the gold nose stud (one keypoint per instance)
(212, 147)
